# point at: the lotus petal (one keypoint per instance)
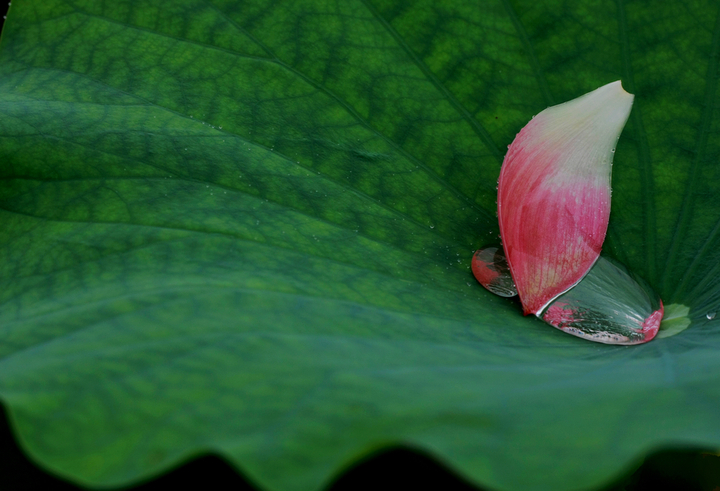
(554, 193)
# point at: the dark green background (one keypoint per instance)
(245, 229)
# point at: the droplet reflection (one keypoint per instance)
(491, 269)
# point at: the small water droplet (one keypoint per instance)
(710, 316)
(490, 268)
(432, 226)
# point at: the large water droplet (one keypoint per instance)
(608, 306)
(710, 316)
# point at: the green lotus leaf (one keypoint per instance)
(246, 227)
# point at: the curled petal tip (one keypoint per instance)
(617, 85)
(554, 193)
(651, 325)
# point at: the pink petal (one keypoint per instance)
(554, 193)
(651, 325)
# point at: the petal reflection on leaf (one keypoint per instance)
(554, 193)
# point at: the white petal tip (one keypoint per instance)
(603, 112)
(615, 89)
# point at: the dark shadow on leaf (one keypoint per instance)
(687, 470)
(392, 469)
(20, 474)
(400, 468)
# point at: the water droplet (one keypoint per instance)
(432, 226)
(710, 316)
(491, 269)
(607, 306)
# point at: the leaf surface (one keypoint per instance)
(247, 227)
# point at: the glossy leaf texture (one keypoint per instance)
(247, 228)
